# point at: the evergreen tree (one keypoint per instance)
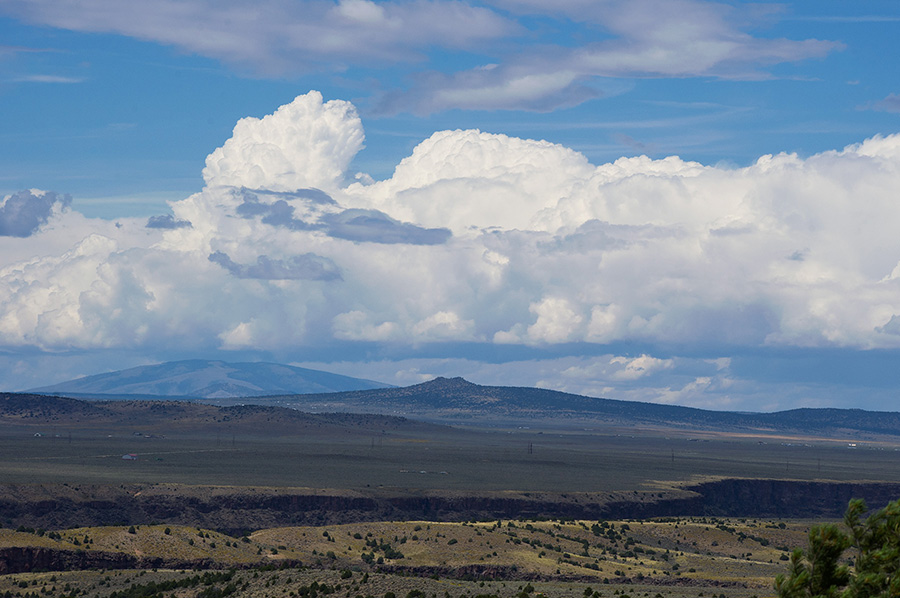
(823, 571)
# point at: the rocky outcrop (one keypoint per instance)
(22, 559)
(465, 572)
(30, 558)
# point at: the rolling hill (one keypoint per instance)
(42, 413)
(457, 401)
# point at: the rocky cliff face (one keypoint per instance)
(760, 498)
(28, 558)
(238, 510)
(788, 498)
(21, 559)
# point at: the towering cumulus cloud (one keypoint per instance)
(476, 238)
(306, 143)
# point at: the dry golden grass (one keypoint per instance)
(10, 538)
(705, 550)
(178, 542)
(683, 558)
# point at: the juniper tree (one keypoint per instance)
(870, 570)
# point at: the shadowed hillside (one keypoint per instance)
(456, 400)
(39, 411)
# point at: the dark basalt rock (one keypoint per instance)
(30, 558)
(239, 511)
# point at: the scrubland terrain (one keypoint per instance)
(671, 557)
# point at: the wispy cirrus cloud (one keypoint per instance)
(278, 37)
(521, 70)
(846, 18)
(9, 50)
(48, 79)
(635, 39)
(889, 104)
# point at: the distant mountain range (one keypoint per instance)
(451, 401)
(457, 401)
(207, 379)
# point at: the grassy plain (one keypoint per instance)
(439, 459)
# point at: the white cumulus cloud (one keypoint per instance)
(306, 143)
(477, 238)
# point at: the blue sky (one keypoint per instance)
(668, 200)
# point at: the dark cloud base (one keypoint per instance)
(23, 213)
(357, 225)
(167, 221)
(308, 266)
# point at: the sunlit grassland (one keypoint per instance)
(674, 557)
